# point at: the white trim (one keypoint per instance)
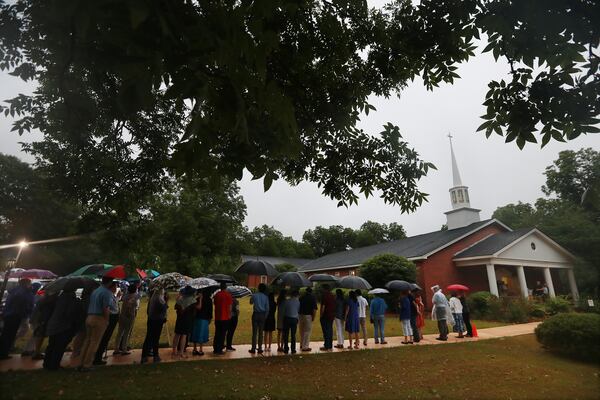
(490, 222)
(482, 260)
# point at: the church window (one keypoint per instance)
(532, 246)
(466, 195)
(461, 199)
(453, 197)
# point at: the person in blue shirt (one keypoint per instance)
(378, 308)
(260, 302)
(18, 306)
(405, 317)
(101, 300)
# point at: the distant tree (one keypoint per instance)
(267, 241)
(386, 267)
(444, 227)
(285, 267)
(395, 231)
(329, 240)
(517, 216)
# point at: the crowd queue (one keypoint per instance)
(87, 322)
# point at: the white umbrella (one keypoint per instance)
(202, 282)
(238, 291)
(378, 291)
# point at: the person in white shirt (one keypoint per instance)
(362, 314)
(439, 312)
(456, 308)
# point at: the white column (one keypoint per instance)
(548, 278)
(522, 281)
(491, 274)
(573, 284)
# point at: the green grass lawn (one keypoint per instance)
(516, 368)
(243, 333)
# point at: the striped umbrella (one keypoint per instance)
(239, 291)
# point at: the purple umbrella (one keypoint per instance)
(34, 274)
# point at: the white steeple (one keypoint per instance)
(461, 214)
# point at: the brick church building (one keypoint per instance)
(484, 255)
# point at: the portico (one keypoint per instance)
(519, 255)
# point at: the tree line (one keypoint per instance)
(192, 226)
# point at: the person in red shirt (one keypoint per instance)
(327, 317)
(223, 302)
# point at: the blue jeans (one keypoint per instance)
(327, 327)
(379, 324)
(459, 325)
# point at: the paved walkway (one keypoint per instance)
(26, 363)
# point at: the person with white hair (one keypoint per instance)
(440, 312)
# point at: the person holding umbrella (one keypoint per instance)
(405, 308)
(457, 309)
(414, 314)
(127, 316)
(232, 325)
(281, 299)
(157, 316)
(204, 314)
(62, 326)
(223, 302)
(352, 321)
(260, 303)
(270, 322)
(308, 309)
(185, 307)
(291, 307)
(465, 313)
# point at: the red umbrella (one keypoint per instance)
(34, 274)
(458, 287)
(119, 272)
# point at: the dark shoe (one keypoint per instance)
(339, 346)
(125, 353)
(376, 342)
(158, 359)
(117, 353)
(252, 351)
(144, 360)
(442, 339)
(384, 342)
(39, 356)
(285, 351)
(195, 353)
(260, 351)
(307, 349)
(293, 351)
(230, 349)
(218, 353)
(99, 362)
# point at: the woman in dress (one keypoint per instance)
(204, 312)
(280, 303)
(186, 310)
(270, 322)
(352, 321)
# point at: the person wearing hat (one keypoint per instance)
(440, 312)
(18, 306)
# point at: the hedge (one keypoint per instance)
(574, 335)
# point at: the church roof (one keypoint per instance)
(411, 247)
(492, 244)
(298, 262)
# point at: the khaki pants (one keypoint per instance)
(95, 325)
(305, 322)
(363, 328)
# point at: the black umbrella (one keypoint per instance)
(323, 278)
(222, 278)
(398, 285)
(354, 282)
(293, 279)
(73, 282)
(257, 267)
(414, 286)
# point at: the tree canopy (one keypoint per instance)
(569, 218)
(386, 267)
(132, 92)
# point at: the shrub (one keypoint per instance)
(583, 306)
(572, 334)
(517, 310)
(557, 305)
(537, 311)
(479, 304)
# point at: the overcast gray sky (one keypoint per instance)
(496, 173)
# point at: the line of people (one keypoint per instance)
(88, 323)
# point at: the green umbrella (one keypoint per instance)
(92, 270)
